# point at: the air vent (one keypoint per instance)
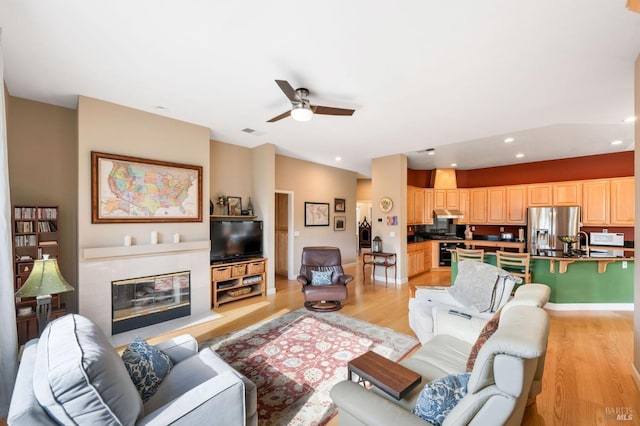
(248, 130)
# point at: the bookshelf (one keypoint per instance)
(35, 233)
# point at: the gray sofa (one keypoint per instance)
(507, 372)
(72, 375)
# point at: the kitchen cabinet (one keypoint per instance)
(464, 206)
(415, 205)
(446, 199)
(418, 258)
(516, 205)
(478, 205)
(496, 205)
(428, 206)
(596, 201)
(567, 194)
(540, 195)
(622, 202)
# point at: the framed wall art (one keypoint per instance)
(234, 206)
(339, 223)
(316, 214)
(339, 205)
(129, 189)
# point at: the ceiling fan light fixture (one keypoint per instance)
(301, 112)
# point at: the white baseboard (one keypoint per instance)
(271, 291)
(589, 306)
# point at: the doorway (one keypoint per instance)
(283, 258)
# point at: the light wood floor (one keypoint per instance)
(588, 363)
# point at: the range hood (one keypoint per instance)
(445, 179)
(447, 214)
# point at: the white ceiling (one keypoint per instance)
(458, 76)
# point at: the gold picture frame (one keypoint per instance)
(138, 190)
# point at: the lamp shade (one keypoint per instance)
(45, 279)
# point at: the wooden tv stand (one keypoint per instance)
(238, 280)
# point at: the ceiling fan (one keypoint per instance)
(301, 108)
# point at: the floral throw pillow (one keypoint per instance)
(487, 331)
(147, 367)
(440, 396)
(321, 277)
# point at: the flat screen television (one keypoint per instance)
(235, 240)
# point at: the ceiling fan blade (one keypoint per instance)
(280, 117)
(318, 109)
(288, 90)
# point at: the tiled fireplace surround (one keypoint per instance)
(100, 266)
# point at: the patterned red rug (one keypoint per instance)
(295, 360)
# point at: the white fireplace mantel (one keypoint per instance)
(143, 250)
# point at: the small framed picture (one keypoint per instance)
(316, 214)
(339, 223)
(340, 205)
(234, 206)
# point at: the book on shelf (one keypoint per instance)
(48, 243)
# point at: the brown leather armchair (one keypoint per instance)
(323, 297)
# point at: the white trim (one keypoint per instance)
(635, 375)
(142, 250)
(589, 306)
(271, 291)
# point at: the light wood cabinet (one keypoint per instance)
(446, 199)
(496, 205)
(464, 207)
(428, 206)
(415, 205)
(622, 202)
(516, 205)
(567, 194)
(596, 196)
(418, 258)
(478, 205)
(540, 195)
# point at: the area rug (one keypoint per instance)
(295, 360)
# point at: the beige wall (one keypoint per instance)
(389, 179)
(364, 190)
(636, 314)
(317, 183)
(114, 129)
(231, 172)
(42, 146)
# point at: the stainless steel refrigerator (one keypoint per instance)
(546, 224)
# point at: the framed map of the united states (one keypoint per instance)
(129, 189)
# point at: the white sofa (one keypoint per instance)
(72, 375)
(507, 370)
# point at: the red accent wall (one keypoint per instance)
(618, 164)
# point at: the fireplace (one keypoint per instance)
(144, 301)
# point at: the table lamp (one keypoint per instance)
(45, 280)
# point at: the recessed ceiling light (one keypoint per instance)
(338, 158)
(519, 155)
(630, 119)
(616, 143)
(431, 151)
(509, 140)
(454, 164)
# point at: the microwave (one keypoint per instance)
(606, 239)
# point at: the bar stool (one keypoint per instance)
(469, 254)
(516, 264)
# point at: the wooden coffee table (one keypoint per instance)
(390, 377)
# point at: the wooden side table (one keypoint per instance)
(386, 260)
(389, 376)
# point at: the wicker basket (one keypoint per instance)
(255, 268)
(239, 291)
(238, 270)
(221, 274)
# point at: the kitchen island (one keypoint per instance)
(581, 282)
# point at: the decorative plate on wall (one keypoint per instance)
(386, 204)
